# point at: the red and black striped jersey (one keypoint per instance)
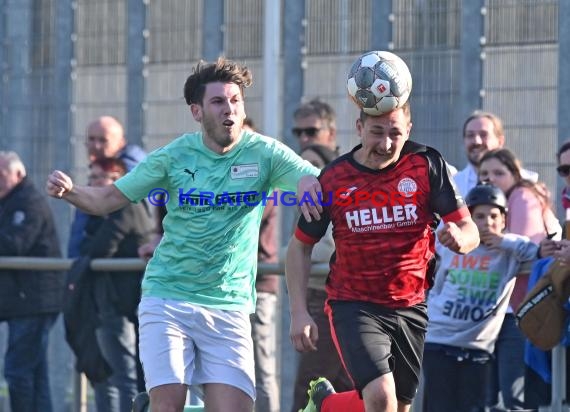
(383, 224)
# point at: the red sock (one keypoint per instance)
(343, 401)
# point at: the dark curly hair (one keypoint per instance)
(225, 71)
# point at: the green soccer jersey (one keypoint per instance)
(208, 254)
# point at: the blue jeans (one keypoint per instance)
(507, 378)
(117, 340)
(25, 364)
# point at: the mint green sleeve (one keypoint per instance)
(149, 174)
(287, 167)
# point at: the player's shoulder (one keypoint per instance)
(186, 143)
(186, 140)
(411, 147)
(337, 166)
(262, 143)
(250, 138)
(432, 155)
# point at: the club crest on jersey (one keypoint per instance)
(246, 171)
(407, 187)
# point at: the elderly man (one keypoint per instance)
(29, 299)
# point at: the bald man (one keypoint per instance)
(106, 139)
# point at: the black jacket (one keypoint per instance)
(118, 235)
(81, 321)
(27, 229)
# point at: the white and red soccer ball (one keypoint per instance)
(379, 82)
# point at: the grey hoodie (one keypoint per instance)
(467, 303)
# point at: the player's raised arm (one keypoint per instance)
(92, 200)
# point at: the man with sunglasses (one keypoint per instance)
(315, 123)
(315, 126)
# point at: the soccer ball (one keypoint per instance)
(379, 82)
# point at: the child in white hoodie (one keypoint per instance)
(467, 304)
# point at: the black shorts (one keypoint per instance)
(373, 340)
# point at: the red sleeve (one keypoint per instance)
(305, 238)
(456, 215)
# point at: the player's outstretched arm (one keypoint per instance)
(460, 237)
(303, 331)
(91, 200)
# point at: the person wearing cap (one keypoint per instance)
(467, 305)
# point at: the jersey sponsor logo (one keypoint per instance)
(381, 218)
(344, 194)
(246, 171)
(353, 196)
(202, 198)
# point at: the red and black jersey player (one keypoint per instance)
(384, 200)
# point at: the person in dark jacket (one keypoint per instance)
(29, 299)
(116, 295)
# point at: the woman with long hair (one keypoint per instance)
(529, 214)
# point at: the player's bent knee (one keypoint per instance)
(223, 397)
(168, 398)
(380, 394)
